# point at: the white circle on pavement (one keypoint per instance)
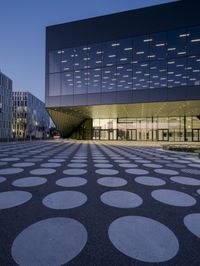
(152, 165)
(173, 197)
(11, 171)
(64, 200)
(103, 165)
(2, 179)
(75, 171)
(77, 165)
(121, 199)
(137, 171)
(185, 180)
(142, 161)
(150, 181)
(54, 241)
(107, 171)
(122, 161)
(3, 163)
(9, 199)
(194, 165)
(50, 165)
(143, 239)
(166, 171)
(71, 182)
(112, 181)
(29, 181)
(192, 222)
(128, 165)
(42, 171)
(23, 164)
(10, 159)
(34, 160)
(78, 161)
(56, 160)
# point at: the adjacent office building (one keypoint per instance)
(133, 75)
(30, 118)
(5, 107)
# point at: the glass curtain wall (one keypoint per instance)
(151, 128)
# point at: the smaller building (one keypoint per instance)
(5, 107)
(30, 118)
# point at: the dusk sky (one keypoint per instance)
(22, 41)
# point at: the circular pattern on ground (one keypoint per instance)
(185, 180)
(152, 165)
(112, 181)
(150, 181)
(71, 182)
(29, 181)
(11, 171)
(53, 241)
(75, 171)
(192, 222)
(64, 200)
(56, 160)
(143, 239)
(2, 179)
(166, 171)
(173, 197)
(23, 164)
(10, 159)
(77, 165)
(9, 199)
(103, 165)
(107, 171)
(42, 171)
(137, 171)
(50, 165)
(128, 165)
(121, 199)
(3, 163)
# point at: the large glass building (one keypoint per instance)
(5, 107)
(30, 118)
(133, 75)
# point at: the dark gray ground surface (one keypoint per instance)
(153, 234)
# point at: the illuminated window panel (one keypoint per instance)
(109, 79)
(80, 82)
(124, 78)
(177, 41)
(141, 75)
(95, 55)
(67, 60)
(94, 84)
(158, 79)
(141, 48)
(80, 57)
(54, 61)
(193, 71)
(109, 55)
(124, 51)
(194, 41)
(177, 72)
(158, 46)
(67, 83)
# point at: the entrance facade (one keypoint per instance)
(147, 129)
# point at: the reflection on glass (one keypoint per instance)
(67, 84)
(54, 84)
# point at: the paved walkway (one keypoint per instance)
(98, 204)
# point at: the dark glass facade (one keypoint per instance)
(122, 63)
(165, 59)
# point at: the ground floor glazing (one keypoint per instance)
(147, 129)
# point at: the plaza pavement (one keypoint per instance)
(90, 203)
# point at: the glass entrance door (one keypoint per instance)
(163, 134)
(196, 134)
(131, 134)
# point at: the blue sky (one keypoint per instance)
(22, 34)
